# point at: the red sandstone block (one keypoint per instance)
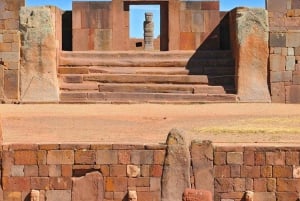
(85, 157)
(145, 170)
(25, 157)
(66, 170)
(60, 183)
(7, 163)
(275, 158)
(124, 157)
(159, 157)
(288, 185)
(292, 158)
(249, 158)
(284, 196)
(278, 92)
(120, 195)
(142, 157)
(187, 41)
(60, 157)
(127, 147)
(271, 184)
(250, 171)
(74, 147)
(118, 170)
(11, 196)
(235, 171)
(149, 196)
(266, 171)
(155, 184)
(101, 147)
(296, 77)
(54, 170)
(249, 184)
(235, 158)
(31, 171)
(222, 171)
(109, 195)
(197, 195)
(229, 149)
(235, 196)
(142, 182)
(16, 183)
(260, 185)
(210, 5)
(239, 184)
(277, 62)
(224, 185)
(107, 157)
(105, 170)
(43, 171)
(260, 158)
(115, 184)
(42, 157)
(39, 183)
(156, 170)
(48, 146)
(283, 171)
(23, 147)
(220, 158)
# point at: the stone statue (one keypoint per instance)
(34, 195)
(249, 196)
(132, 196)
(148, 31)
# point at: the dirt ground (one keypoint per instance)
(277, 124)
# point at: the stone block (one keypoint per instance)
(11, 84)
(156, 170)
(296, 172)
(197, 195)
(235, 171)
(285, 76)
(5, 47)
(239, 184)
(185, 21)
(155, 184)
(282, 196)
(260, 158)
(292, 158)
(293, 94)
(277, 62)
(276, 5)
(142, 157)
(250, 171)
(266, 171)
(108, 157)
(133, 171)
(124, 156)
(260, 185)
(39, 183)
(66, 171)
(210, 5)
(118, 170)
(235, 158)
(187, 41)
(17, 171)
(115, 184)
(293, 39)
(31, 170)
(295, 4)
(248, 157)
(296, 77)
(290, 63)
(222, 171)
(277, 39)
(60, 183)
(278, 92)
(54, 170)
(275, 158)
(291, 51)
(43, 171)
(223, 185)
(12, 196)
(198, 22)
(288, 185)
(61, 195)
(220, 158)
(16, 184)
(264, 196)
(25, 157)
(60, 157)
(85, 157)
(145, 170)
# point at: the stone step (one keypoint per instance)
(113, 97)
(85, 86)
(131, 78)
(162, 88)
(149, 70)
(147, 59)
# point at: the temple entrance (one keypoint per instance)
(163, 39)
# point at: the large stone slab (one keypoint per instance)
(39, 55)
(176, 172)
(252, 52)
(90, 187)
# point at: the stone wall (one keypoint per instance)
(9, 49)
(284, 19)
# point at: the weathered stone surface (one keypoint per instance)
(61, 195)
(196, 195)
(176, 173)
(264, 196)
(39, 55)
(252, 55)
(202, 164)
(133, 171)
(90, 187)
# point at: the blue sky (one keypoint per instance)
(137, 17)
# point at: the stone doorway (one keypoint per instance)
(164, 19)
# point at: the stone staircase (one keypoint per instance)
(147, 77)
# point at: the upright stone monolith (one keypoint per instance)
(176, 172)
(148, 31)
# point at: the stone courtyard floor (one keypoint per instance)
(150, 123)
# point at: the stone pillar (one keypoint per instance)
(148, 31)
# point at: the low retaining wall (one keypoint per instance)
(156, 172)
